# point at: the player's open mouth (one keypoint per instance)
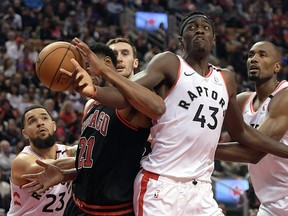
(253, 68)
(42, 131)
(120, 69)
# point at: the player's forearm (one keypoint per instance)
(65, 163)
(260, 142)
(72, 150)
(69, 174)
(233, 151)
(141, 98)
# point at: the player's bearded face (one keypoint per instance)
(44, 143)
(254, 77)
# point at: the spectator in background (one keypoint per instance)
(14, 19)
(14, 46)
(154, 50)
(18, 80)
(7, 111)
(70, 117)
(14, 96)
(5, 195)
(12, 132)
(63, 135)
(6, 157)
(9, 66)
(114, 9)
(71, 28)
(49, 104)
(161, 34)
(19, 146)
(30, 98)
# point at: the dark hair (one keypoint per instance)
(193, 15)
(124, 40)
(34, 106)
(101, 49)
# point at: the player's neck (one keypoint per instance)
(264, 90)
(48, 153)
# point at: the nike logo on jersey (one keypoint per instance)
(190, 74)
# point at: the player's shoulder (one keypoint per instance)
(23, 158)
(243, 97)
(88, 105)
(280, 98)
(166, 57)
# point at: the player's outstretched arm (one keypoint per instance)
(141, 98)
(50, 176)
(235, 152)
(245, 134)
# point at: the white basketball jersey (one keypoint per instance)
(270, 175)
(52, 202)
(185, 138)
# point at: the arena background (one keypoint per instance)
(27, 26)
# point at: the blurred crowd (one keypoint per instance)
(26, 26)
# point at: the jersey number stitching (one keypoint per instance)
(85, 155)
(47, 208)
(201, 118)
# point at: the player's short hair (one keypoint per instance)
(34, 106)
(193, 15)
(124, 40)
(101, 49)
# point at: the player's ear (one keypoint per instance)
(277, 67)
(214, 41)
(54, 126)
(180, 39)
(136, 63)
(24, 134)
(107, 61)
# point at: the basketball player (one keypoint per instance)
(39, 128)
(266, 110)
(125, 51)
(175, 179)
(111, 145)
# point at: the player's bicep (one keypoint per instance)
(23, 164)
(162, 67)
(275, 125)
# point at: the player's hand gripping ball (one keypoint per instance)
(52, 57)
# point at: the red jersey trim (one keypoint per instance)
(121, 209)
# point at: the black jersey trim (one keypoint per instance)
(125, 122)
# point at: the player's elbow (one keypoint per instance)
(159, 110)
(255, 159)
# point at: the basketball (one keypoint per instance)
(51, 58)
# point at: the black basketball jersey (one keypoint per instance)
(108, 157)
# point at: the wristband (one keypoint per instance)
(94, 93)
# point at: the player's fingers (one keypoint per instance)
(76, 64)
(30, 184)
(33, 187)
(39, 188)
(41, 191)
(41, 163)
(76, 40)
(65, 72)
(83, 48)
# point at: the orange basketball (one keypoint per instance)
(53, 57)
